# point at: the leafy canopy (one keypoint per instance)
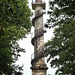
(14, 24)
(61, 47)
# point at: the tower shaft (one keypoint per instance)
(39, 42)
(38, 63)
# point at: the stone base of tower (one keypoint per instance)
(39, 70)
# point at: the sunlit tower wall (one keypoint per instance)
(38, 62)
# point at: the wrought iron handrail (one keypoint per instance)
(39, 55)
(32, 56)
(34, 1)
(37, 32)
(36, 17)
(40, 50)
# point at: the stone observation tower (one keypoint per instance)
(37, 59)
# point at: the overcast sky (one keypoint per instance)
(25, 58)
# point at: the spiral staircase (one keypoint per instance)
(37, 58)
(38, 33)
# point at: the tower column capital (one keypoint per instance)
(38, 3)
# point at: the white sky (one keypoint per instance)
(25, 58)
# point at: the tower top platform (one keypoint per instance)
(36, 3)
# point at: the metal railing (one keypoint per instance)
(39, 53)
(38, 32)
(32, 56)
(34, 1)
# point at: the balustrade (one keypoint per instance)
(37, 32)
(34, 1)
(38, 53)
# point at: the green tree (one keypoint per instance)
(61, 47)
(14, 24)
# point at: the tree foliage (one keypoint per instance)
(14, 24)
(61, 47)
